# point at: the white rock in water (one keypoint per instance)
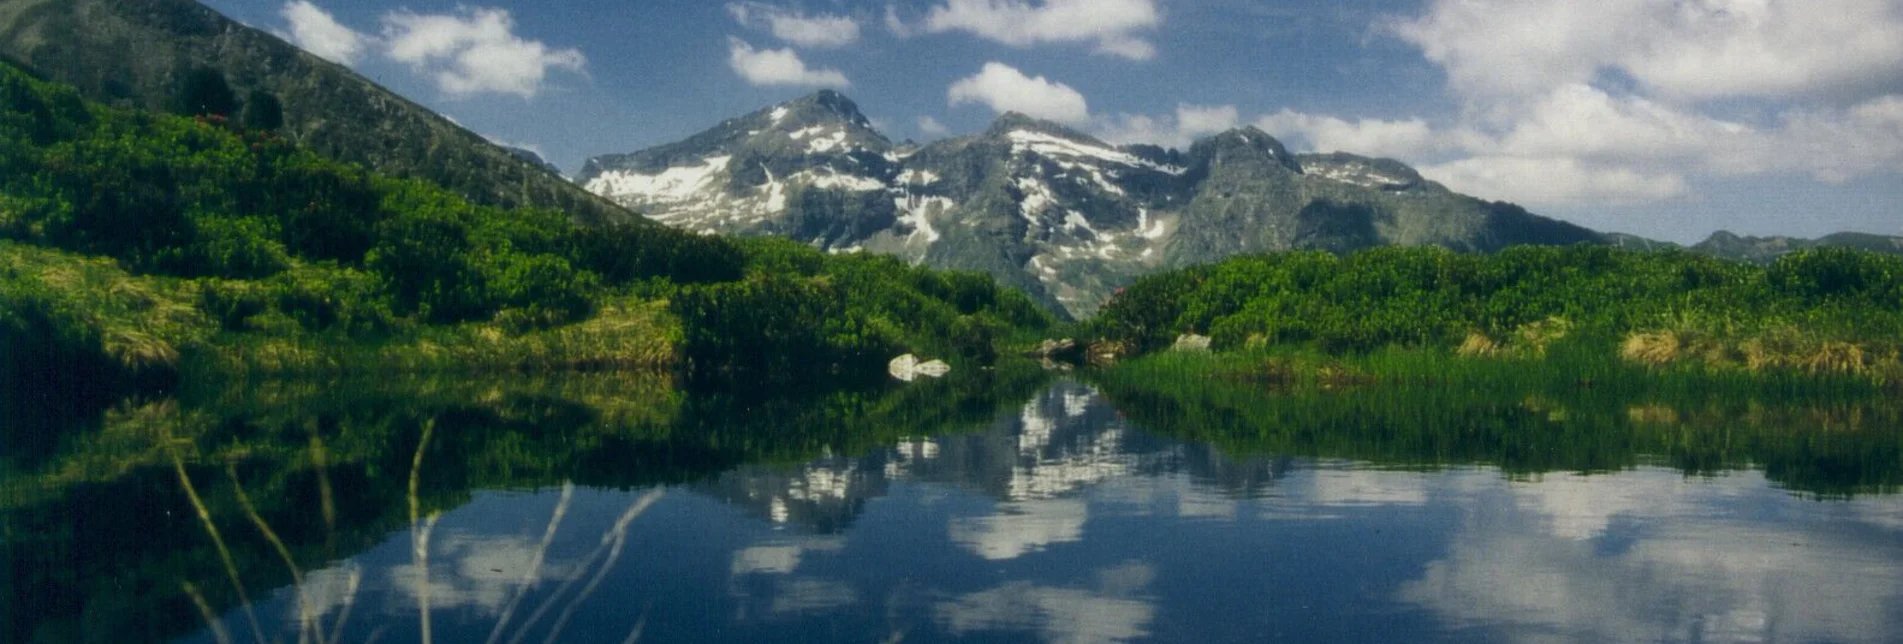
(908, 368)
(934, 369)
(1191, 342)
(904, 367)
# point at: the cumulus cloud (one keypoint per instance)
(1555, 180)
(931, 127)
(316, 31)
(1115, 611)
(1402, 139)
(1113, 25)
(815, 31)
(778, 67)
(1567, 103)
(1497, 49)
(1190, 122)
(1540, 570)
(895, 24)
(474, 51)
(1005, 89)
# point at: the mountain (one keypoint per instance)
(144, 53)
(530, 156)
(1763, 250)
(1063, 215)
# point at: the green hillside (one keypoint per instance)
(146, 244)
(148, 54)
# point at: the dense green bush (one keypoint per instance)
(624, 253)
(801, 312)
(1435, 297)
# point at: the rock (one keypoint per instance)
(908, 368)
(1067, 351)
(1191, 342)
(934, 369)
(1105, 353)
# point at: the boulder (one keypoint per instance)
(1066, 351)
(909, 368)
(1191, 342)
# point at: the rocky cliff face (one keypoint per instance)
(1065, 216)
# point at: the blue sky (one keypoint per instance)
(1667, 118)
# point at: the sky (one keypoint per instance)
(1664, 118)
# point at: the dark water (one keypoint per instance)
(1003, 510)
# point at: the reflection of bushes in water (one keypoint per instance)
(1817, 445)
(326, 464)
(110, 514)
(802, 426)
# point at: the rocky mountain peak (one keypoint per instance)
(825, 107)
(1247, 142)
(1010, 122)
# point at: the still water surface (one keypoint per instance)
(1046, 516)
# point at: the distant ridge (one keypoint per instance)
(1764, 250)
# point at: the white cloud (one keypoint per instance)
(1502, 49)
(778, 67)
(1113, 612)
(1554, 181)
(931, 127)
(474, 52)
(1190, 122)
(1570, 103)
(1696, 567)
(816, 31)
(895, 24)
(1005, 89)
(1404, 139)
(1021, 528)
(1111, 24)
(317, 32)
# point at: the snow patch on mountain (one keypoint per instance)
(828, 179)
(1037, 197)
(916, 213)
(1056, 148)
(671, 185)
(1366, 178)
(918, 178)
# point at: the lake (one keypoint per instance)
(998, 507)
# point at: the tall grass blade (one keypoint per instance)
(218, 631)
(307, 621)
(217, 540)
(533, 575)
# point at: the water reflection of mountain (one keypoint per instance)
(1048, 466)
(1061, 442)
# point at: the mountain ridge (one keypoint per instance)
(1040, 205)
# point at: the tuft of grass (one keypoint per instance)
(1478, 345)
(1652, 349)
